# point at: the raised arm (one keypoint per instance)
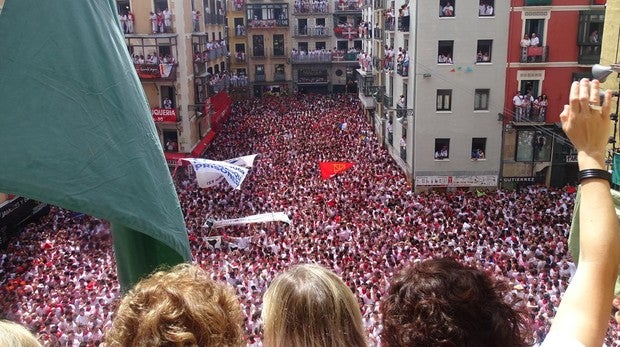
(585, 308)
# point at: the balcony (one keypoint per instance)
(403, 24)
(311, 57)
(534, 54)
(389, 24)
(347, 6)
(310, 7)
(589, 53)
(267, 24)
(260, 78)
(238, 5)
(530, 114)
(388, 100)
(318, 31)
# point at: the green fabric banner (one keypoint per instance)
(76, 129)
(615, 175)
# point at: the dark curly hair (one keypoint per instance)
(440, 302)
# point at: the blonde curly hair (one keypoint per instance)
(179, 307)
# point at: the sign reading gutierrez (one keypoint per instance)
(457, 181)
(164, 115)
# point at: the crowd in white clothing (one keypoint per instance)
(58, 277)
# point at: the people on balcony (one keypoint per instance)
(122, 17)
(153, 58)
(153, 19)
(167, 20)
(528, 108)
(131, 18)
(161, 27)
(196, 20)
(240, 30)
(403, 12)
(525, 44)
(305, 6)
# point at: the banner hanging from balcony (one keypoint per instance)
(154, 71)
(164, 115)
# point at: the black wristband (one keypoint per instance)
(594, 173)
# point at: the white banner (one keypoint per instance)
(245, 161)
(257, 218)
(210, 172)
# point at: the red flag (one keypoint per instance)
(330, 168)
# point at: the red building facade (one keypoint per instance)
(551, 43)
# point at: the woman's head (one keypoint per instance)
(310, 306)
(179, 307)
(440, 302)
(15, 335)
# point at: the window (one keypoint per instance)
(342, 45)
(239, 27)
(267, 15)
(485, 48)
(121, 5)
(535, 29)
(478, 148)
(302, 46)
(320, 45)
(444, 52)
(160, 5)
(444, 99)
(533, 146)
(486, 8)
(278, 45)
(258, 49)
(589, 36)
(320, 21)
(259, 69)
(442, 149)
(446, 8)
(167, 96)
(279, 73)
(302, 26)
(481, 99)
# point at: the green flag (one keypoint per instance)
(76, 129)
(615, 176)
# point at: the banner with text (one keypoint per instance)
(210, 172)
(164, 115)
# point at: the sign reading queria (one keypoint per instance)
(164, 115)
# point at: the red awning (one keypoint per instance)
(173, 157)
(203, 144)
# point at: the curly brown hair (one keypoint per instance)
(179, 307)
(440, 302)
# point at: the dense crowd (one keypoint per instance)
(58, 277)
